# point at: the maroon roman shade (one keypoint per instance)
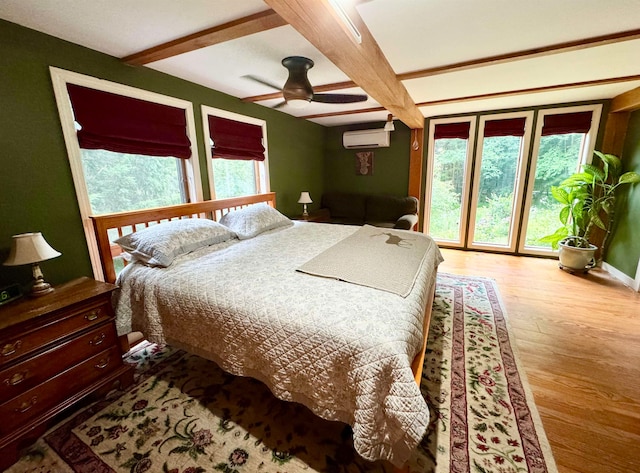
(563, 123)
(507, 127)
(452, 130)
(127, 125)
(235, 140)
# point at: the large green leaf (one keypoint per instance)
(560, 194)
(595, 172)
(610, 159)
(564, 214)
(629, 178)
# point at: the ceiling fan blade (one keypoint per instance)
(263, 82)
(280, 104)
(339, 98)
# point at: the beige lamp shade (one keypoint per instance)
(30, 248)
(305, 198)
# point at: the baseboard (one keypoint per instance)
(619, 275)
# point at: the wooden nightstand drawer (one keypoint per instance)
(36, 370)
(20, 410)
(71, 322)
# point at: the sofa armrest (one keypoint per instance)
(406, 222)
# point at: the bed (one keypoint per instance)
(348, 352)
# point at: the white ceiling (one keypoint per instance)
(412, 34)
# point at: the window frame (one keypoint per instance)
(518, 192)
(261, 168)
(586, 157)
(464, 211)
(60, 78)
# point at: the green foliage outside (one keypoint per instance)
(233, 178)
(119, 182)
(558, 158)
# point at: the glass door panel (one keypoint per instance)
(498, 174)
(558, 158)
(450, 157)
(449, 165)
(498, 190)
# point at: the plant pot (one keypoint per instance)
(576, 258)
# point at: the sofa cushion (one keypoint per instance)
(388, 208)
(344, 207)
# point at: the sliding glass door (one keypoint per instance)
(449, 175)
(564, 140)
(498, 185)
(488, 183)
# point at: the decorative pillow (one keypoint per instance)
(253, 220)
(159, 245)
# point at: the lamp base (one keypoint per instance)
(40, 286)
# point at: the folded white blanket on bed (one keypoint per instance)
(381, 258)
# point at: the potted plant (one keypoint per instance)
(588, 201)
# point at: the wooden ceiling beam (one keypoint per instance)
(626, 102)
(487, 61)
(363, 63)
(525, 54)
(248, 25)
(508, 93)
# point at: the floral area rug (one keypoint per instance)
(186, 415)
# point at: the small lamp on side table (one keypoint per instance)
(31, 248)
(305, 199)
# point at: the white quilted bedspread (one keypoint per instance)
(341, 349)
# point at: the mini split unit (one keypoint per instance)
(366, 139)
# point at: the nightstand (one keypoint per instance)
(54, 351)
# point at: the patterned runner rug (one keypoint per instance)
(185, 415)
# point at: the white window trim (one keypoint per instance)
(588, 147)
(519, 181)
(262, 167)
(60, 78)
(465, 185)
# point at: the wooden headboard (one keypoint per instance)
(128, 222)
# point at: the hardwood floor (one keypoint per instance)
(578, 337)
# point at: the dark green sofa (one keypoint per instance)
(373, 209)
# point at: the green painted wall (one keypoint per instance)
(624, 248)
(36, 187)
(390, 168)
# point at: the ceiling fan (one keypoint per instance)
(297, 90)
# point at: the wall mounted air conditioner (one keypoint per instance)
(366, 139)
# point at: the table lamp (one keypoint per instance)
(31, 248)
(305, 199)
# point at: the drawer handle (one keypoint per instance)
(26, 405)
(93, 315)
(11, 348)
(17, 378)
(97, 340)
(103, 362)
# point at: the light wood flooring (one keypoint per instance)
(578, 337)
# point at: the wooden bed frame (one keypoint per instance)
(128, 222)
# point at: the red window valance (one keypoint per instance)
(562, 123)
(235, 140)
(506, 127)
(127, 125)
(452, 130)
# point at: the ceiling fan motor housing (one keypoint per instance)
(297, 86)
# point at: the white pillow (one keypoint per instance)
(253, 220)
(159, 245)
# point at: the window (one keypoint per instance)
(564, 140)
(237, 155)
(142, 158)
(448, 177)
(498, 186)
